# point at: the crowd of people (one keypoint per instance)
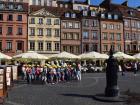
(52, 72)
(129, 66)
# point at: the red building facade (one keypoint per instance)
(13, 27)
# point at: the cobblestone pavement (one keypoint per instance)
(70, 93)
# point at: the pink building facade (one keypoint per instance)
(13, 28)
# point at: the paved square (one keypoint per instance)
(70, 93)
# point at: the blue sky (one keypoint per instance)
(131, 3)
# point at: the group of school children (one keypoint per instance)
(52, 73)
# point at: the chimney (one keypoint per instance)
(125, 3)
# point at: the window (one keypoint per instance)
(1, 16)
(40, 46)
(57, 46)
(56, 22)
(127, 36)
(61, 5)
(102, 15)
(64, 48)
(95, 47)
(111, 26)
(10, 6)
(40, 31)
(19, 45)
(40, 21)
(19, 32)
(10, 17)
(76, 25)
(69, 35)
(105, 47)
(10, 31)
(85, 13)
(64, 24)
(48, 22)
(39, 2)
(0, 45)
(113, 46)
(86, 48)
(105, 36)
(49, 46)
(9, 45)
(1, 6)
(65, 36)
(94, 34)
(126, 23)
(32, 20)
(57, 32)
(95, 23)
(77, 49)
(111, 36)
(20, 7)
(109, 16)
(138, 25)
(85, 35)
(104, 26)
(86, 23)
(76, 36)
(32, 31)
(116, 17)
(118, 37)
(128, 47)
(118, 26)
(71, 49)
(119, 47)
(66, 6)
(32, 45)
(19, 18)
(67, 14)
(93, 13)
(34, 2)
(49, 32)
(73, 15)
(79, 8)
(70, 25)
(0, 30)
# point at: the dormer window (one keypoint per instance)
(73, 15)
(102, 15)
(61, 5)
(93, 13)
(85, 13)
(109, 16)
(66, 6)
(10, 6)
(130, 12)
(19, 7)
(116, 17)
(67, 14)
(1, 6)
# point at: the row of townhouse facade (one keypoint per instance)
(75, 27)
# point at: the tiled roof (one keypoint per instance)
(125, 10)
(57, 11)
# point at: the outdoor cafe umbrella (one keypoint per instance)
(64, 55)
(3, 56)
(121, 55)
(31, 55)
(137, 56)
(104, 56)
(90, 55)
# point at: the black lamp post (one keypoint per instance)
(112, 89)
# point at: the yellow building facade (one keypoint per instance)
(43, 32)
